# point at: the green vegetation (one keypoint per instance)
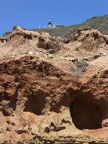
(59, 31)
(100, 23)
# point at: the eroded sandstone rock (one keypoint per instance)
(34, 85)
(53, 90)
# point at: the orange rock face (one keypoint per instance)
(52, 89)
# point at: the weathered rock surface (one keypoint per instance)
(50, 89)
(95, 86)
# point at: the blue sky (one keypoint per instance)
(32, 13)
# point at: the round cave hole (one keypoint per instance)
(85, 115)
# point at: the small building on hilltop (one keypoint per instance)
(59, 25)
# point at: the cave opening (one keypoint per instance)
(35, 104)
(85, 115)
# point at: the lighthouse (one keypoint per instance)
(49, 25)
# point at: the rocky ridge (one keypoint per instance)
(54, 88)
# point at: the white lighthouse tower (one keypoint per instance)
(49, 25)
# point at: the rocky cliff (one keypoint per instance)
(54, 89)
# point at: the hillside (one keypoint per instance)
(97, 22)
(100, 23)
